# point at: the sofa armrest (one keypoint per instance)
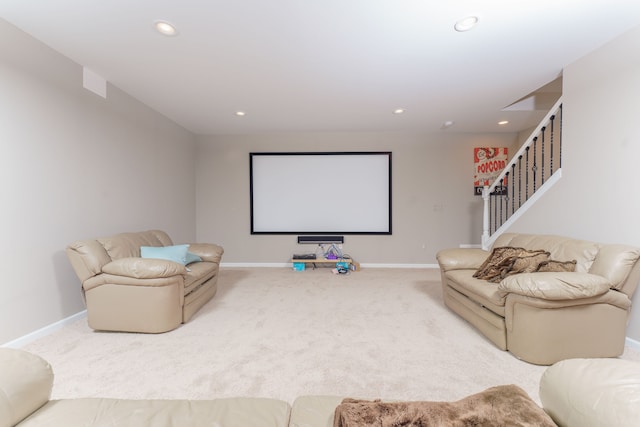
(461, 258)
(592, 392)
(207, 251)
(144, 268)
(555, 285)
(26, 381)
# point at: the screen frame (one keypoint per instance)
(386, 229)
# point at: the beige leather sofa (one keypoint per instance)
(25, 388)
(545, 317)
(125, 292)
(592, 393)
(574, 392)
(26, 383)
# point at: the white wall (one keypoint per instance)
(432, 192)
(597, 198)
(74, 165)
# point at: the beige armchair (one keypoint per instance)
(126, 292)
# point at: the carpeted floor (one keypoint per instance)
(273, 332)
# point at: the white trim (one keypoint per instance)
(550, 182)
(288, 265)
(633, 344)
(399, 265)
(42, 332)
(255, 264)
(523, 148)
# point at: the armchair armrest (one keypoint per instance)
(207, 251)
(461, 258)
(555, 285)
(26, 381)
(144, 268)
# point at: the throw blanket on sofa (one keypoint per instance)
(507, 261)
(506, 405)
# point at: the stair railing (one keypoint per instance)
(535, 168)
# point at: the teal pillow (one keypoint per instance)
(191, 257)
(177, 253)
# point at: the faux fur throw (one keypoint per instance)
(506, 405)
(502, 261)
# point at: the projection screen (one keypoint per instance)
(320, 193)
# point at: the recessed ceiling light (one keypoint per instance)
(447, 124)
(465, 24)
(241, 113)
(165, 28)
(399, 111)
(503, 122)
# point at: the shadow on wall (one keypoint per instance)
(476, 212)
(69, 287)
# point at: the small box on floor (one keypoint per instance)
(298, 266)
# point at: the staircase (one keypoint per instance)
(533, 170)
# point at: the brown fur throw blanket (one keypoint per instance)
(506, 405)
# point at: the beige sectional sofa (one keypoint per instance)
(575, 393)
(544, 317)
(127, 292)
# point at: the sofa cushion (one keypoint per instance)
(126, 245)
(142, 268)
(25, 385)
(480, 291)
(560, 248)
(555, 286)
(227, 412)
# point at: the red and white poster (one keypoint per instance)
(488, 163)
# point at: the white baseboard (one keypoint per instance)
(255, 264)
(399, 265)
(42, 332)
(288, 265)
(631, 343)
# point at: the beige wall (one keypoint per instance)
(74, 165)
(432, 186)
(597, 198)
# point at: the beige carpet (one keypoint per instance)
(273, 332)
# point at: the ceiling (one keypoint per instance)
(329, 65)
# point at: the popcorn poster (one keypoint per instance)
(488, 163)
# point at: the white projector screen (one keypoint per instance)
(320, 193)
